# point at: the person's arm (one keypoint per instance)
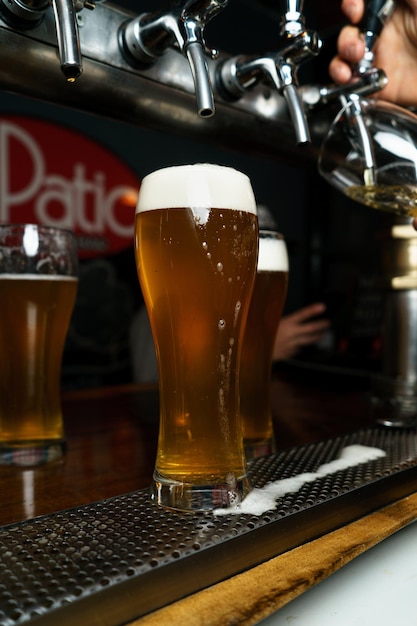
(299, 329)
(395, 51)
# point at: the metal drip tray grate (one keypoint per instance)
(112, 561)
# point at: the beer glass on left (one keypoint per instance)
(267, 303)
(196, 240)
(38, 285)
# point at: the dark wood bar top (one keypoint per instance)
(112, 436)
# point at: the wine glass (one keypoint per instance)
(370, 155)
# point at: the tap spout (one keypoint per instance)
(201, 77)
(68, 39)
(29, 14)
(297, 113)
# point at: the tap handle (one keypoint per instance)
(68, 39)
(377, 12)
(367, 78)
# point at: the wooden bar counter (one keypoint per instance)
(112, 436)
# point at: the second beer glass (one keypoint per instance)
(38, 285)
(196, 240)
(265, 311)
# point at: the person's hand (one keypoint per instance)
(299, 329)
(395, 51)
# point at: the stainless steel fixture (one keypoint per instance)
(395, 387)
(155, 70)
(148, 36)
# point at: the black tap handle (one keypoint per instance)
(377, 12)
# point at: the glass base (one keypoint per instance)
(394, 402)
(31, 453)
(393, 415)
(190, 497)
(254, 448)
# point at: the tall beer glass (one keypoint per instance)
(38, 283)
(196, 240)
(265, 311)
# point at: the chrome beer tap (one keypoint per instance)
(27, 14)
(241, 73)
(148, 36)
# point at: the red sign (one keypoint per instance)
(56, 176)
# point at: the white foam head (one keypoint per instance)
(272, 256)
(202, 185)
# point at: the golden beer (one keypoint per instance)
(34, 317)
(196, 260)
(35, 313)
(264, 315)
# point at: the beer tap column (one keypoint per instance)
(148, 36)
(241, 73)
